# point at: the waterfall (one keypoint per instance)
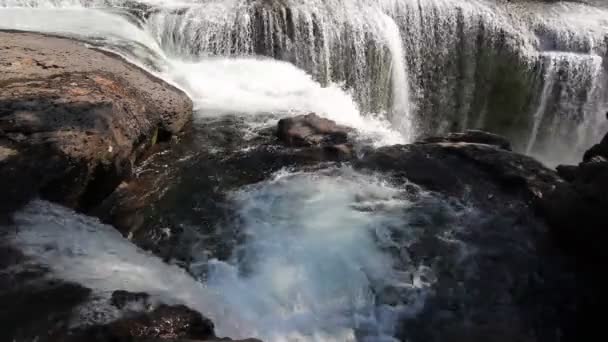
(430, 66)
(570, 110)
(320, 246)
(352, 42)
(549, 80)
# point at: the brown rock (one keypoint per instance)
(74, 120)
(164, 323)
(311, 130)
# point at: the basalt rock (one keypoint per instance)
(74, 120)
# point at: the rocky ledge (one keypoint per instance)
(74, 120)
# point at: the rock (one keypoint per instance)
(121, 298)
(33, 304)
(311, 130)
(599, 150)
(567, 172)
(473, 136)
(74, 120)
(576, 211)
(458, 168)
(164, 323)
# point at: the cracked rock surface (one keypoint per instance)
(74, 120)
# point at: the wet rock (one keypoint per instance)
(472, 136)
(33, 305)
(576, 210)
(164, 323)
(121, 298)
(311, 130)
(599, 150)
(74, 121)
(460, 168)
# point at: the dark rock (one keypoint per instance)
(164, 323)
(311, 130)
(42, 308)
(339, 152)
(577, 214)
(567, 172)
(474, 137)
(598, 150)
(75, 120)
(456, 168)
(121, 298)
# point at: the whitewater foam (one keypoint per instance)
(311, 264)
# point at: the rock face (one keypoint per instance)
(457, 165)
(474, 137)
(73, 120)
(577, 209)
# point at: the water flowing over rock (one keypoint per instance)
(532, 71)
(414, 224)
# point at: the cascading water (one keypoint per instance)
(305, 274)
(569, 108)
(318, 249)
(430, 66)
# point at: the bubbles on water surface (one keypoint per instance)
(321, 259)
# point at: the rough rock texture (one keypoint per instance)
(473, 136)
(311, 130)
(458, 168)
(213, 157)
(163, 323)
(512, 283)
(74, 120)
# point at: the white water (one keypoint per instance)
(570, 108)
(217, 86)
(549, 79)
(308, 270)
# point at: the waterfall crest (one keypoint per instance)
(431, 66)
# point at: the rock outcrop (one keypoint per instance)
(476, 164)
(577, 209)
(74, 120)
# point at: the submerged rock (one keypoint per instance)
(74, 120)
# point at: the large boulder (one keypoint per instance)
(74, 120)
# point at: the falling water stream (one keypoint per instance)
(319, 246)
